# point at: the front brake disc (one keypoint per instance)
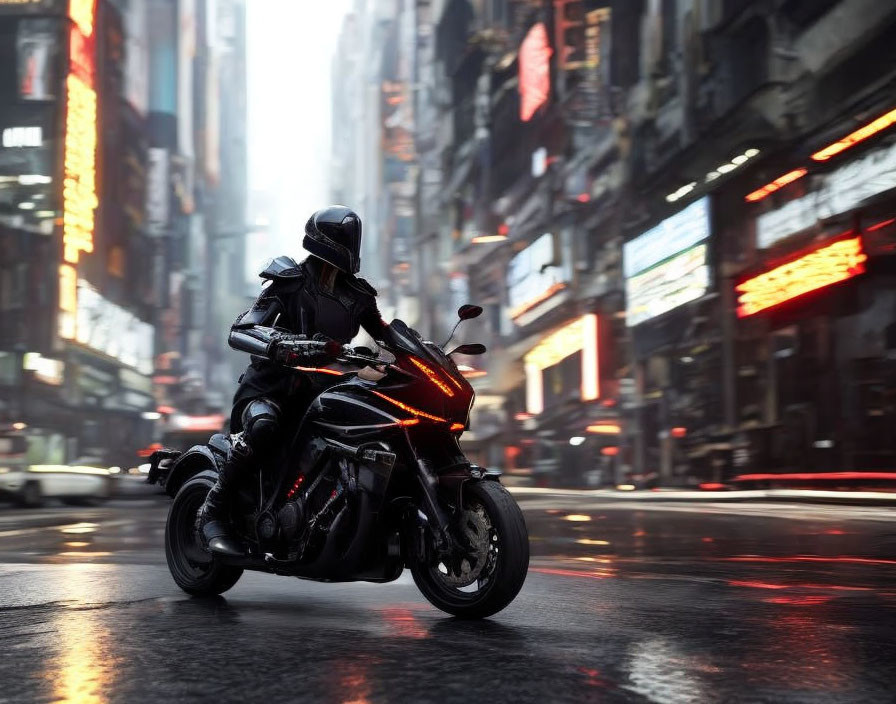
(465, 569)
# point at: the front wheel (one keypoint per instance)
(193, 568)
(491, 572)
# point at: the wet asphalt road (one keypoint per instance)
(625, 602)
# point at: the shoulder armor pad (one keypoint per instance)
(360, 284)
(281, 268)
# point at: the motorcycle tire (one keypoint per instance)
(193, 569)
(508, 561)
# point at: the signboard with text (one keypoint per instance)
(839, 192)
(668, 265)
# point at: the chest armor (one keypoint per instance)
(336, 314)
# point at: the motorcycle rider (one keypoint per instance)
(306, 312)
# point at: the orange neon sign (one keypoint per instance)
(79, 193)
(829, 265)
(883, 122)
(775, 185)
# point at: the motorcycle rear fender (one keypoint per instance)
(198, 458)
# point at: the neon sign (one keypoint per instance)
(581, 335)
(775, 185)
(535, 71)
(853, 138)
(828, 265)
(79, 180)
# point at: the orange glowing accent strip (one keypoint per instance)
(433, 377)
(456, 427)
(409, 421)
(541, 298)
(319, 370)
(853, 138)
(411, 409)
(775, 185)
(829, 265)
(604, 429)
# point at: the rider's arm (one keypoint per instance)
(253, 331)
(373, 322)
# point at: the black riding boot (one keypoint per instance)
(214, 518)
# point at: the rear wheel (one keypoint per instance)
(490, 573)
(193, 568)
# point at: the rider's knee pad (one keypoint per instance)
(261, 424)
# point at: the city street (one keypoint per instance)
(640, 602)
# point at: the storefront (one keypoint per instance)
(567, 405)
(817, 310)
(671, 311)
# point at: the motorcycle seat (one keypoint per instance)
(219, 443)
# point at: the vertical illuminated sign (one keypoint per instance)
(535, 71)
(79, 165)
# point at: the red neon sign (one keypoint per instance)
(535, 73)
(853, 138)
(825, 266)
(775, 185)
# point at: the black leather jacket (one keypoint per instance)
(297, 302)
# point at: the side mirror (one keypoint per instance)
(471, 349)
(468, 311)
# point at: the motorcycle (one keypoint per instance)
(371, 480)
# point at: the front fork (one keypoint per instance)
(435, 514)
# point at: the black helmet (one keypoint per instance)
(334, 235)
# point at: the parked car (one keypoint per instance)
(80, 482)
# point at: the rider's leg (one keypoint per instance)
(261, 425)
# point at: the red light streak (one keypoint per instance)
(775, 185)
(879, 225)
(883, 122)
(433, 377)
(768, 585)
(845, 559)
(828, 265)
(295, 487)
(810, 476)
(568, 573)
(456, 427)
(808, 600)
(409, 421)
(678, 432)
(609, 451)
(712, 486)
(410, 409)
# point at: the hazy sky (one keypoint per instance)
(290, 48)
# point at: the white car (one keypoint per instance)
(30, 484)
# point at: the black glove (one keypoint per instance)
(331, 348)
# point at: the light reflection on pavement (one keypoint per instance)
(741, 603)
